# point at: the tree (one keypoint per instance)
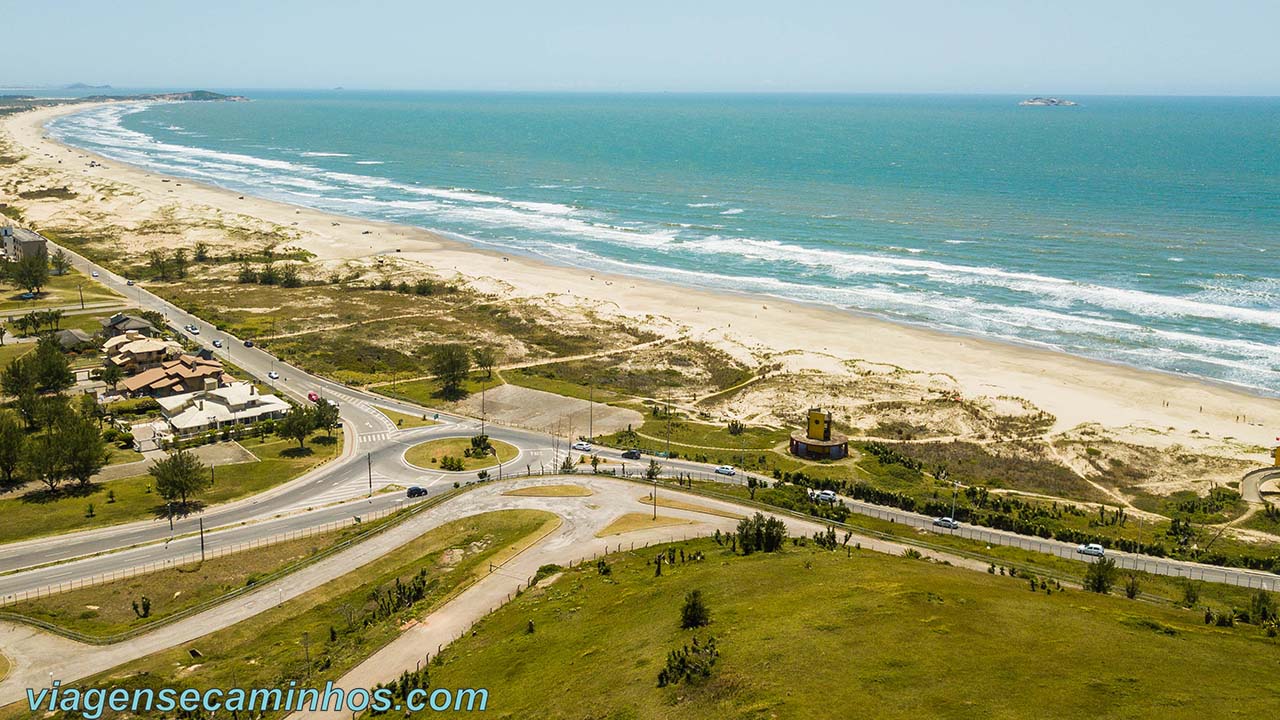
(202, 251)
(13, 437)
(180, 262)
(752, 485)
(181, 477)
(60, 261)
(31, 273)
(1132, 587)
(1100, 577)
(694, 614)
(52, 369)
(450, 363)
(297, 424)
(84, 452)
(653, 471)
(486, 356)
(758, 533)
(43, 460)
(326, 416)
(111, 374)
(158, 261)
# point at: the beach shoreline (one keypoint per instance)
(1076, 390)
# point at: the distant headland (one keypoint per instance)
(1048, 102)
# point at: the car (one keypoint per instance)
(946, 522)
(582, 446)
(94, 273)
(27, 296)
(273, 375)
(1093, 549)
(313, 396)
(415, 491)
(825, 496)
(632, 454)
(129, 283)
(248, 343)
(726, 470)
(195, 330)
(217, 343)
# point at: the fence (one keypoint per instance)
(404, 515)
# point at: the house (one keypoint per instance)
(818, 441)
(119, 324)
(19, 243)
(184, 374)
(215, 407)
(73, 339)
(134, 352)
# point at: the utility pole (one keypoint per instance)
(81, 288)
(668, 436)
(368, 457)
(482, 413)
(655, 497)
(591, 411)
(202, 540)
(306, 650)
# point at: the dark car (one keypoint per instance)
(248, 343)
(632, 454)
(416, 491)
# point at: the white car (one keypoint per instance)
(582, 446)
(946, 522)
(273, 375)
(825, 496)
(94, 273)
(726, 470)
(1093, 549)
(195, 330)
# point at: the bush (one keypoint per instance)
(1131, 586)
(1101, 576)
(694, 614)
(689, 663)
(761, 533)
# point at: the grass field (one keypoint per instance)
(632, 522)
(107, 609)
(339, 619)
(279, 461)
(60, 290)
(427, 392)
(404, 421)
(815, 634)
(550, 491)
(427, 455)
(12, 351)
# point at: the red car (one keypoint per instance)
(313, 396)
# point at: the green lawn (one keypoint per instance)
(61, 290)
(31, 516)
(107, 609)
(405, 421)
(339, 619)
(12, 351)
(817, 634)
(427, 392)
(427, 455)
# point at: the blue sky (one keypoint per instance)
(1001, 46)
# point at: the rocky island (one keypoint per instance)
(1048, 102)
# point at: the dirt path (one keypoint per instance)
(36, 654)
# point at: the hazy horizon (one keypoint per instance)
(998, 47)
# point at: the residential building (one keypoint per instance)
(19, 243)
(134, 352)
(213, 408)
(119, 324)
(184, 374)
(73, 339)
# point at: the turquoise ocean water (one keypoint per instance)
(1144, 231)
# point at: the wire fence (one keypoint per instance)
(405, 515)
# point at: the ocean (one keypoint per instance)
(1143, 231)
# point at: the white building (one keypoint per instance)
(214, 407)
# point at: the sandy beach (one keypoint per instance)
(1075, 390)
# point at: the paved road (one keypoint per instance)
(374, 455)
(37, 654)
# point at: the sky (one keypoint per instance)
(1167, 47)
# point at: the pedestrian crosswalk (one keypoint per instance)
(374, 437)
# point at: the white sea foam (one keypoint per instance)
(1105, 320)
